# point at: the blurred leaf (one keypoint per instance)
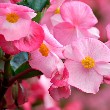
(19, 59)
(24, 67)
(1, 53)
(37, 5)
(1, 65)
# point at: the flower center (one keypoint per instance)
(88, 62)
(57, 11)
(12, 17)
(44, 50)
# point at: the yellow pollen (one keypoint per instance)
(12, 17)
(88, 62)
(57, 11)
(44, 50)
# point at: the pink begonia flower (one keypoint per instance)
(78, 23)
(15, 20)
(54, 9)
(8, 46)
(45, 58)
(87, 62)
(32, 40)
(60, 87)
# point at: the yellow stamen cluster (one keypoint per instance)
(57, 11)
(88, 62)
(44, 50)
(12, 17)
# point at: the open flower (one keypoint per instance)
(87, 62)
(45, 57)
(78, 22)
(15, 20)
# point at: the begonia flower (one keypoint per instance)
(87, 62)
(78, 23)
(15, 20)
(45, 58)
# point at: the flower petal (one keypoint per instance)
(33, 40)
(8, 46)
(93, 48)
(103, 68)
(87, 80)
(65, 33)
(78, 13)
(14, 31)
(46, 65)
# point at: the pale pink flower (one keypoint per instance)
(15, 20)
(45, 58)
(78, 23)
(87, 62)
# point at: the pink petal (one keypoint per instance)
(49, 38)
(8, 46)
(65, 33)
(15, 31)
(93, 48)
(56, 19)
(94, 32)
(98, 50)
(75, 53)
(87, 80)
(103, 68)
(59, 92)
(33, 40)
(78, 13)
(46, 20)
(46, 65)
(54, 45)
(108, 31)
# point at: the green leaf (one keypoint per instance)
(37, 5)
(24, 67)
(19, 59)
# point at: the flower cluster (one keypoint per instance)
(64, 46)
